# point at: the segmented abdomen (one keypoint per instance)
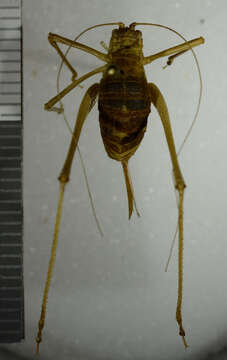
(123, 110)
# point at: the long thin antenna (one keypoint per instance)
(200, 79)
(120, 24)
(85, 177)
(181, 193)
(194, 118)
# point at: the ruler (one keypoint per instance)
(11, 211)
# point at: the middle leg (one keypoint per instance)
(49, 106)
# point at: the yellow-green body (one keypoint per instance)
(124, 100)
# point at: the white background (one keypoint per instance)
(110, 297)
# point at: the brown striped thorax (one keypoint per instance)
(124, 102)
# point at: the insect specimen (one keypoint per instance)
(124, 101)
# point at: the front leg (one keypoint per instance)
(160, 104)
(175, 50)
(54, 39)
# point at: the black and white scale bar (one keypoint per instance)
(11, 210)
(11, 280)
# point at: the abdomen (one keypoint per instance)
(124, 107)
